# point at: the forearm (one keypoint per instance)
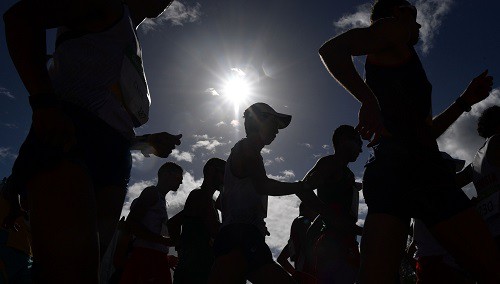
(277, 188)
(26, 42)
(445, 119)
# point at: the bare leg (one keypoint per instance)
(382, 247)
(229, 268)
(63, 223)
(271, 273)
(467, 238)
(109, 201)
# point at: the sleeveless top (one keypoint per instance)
(155, 220)
(241, 203)
(341, 196)
(404, 96)
(486, 179)
(86, 71)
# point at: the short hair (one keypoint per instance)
(383, 8)
(489, 121)
(169, 167)
(342, 132)
(216, 163)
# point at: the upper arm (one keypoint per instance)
(378, 37)
(141, 204)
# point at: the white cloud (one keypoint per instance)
(235, 123)
(212, 92)
(265, 150)
(461, 139)
(175, 200)
(307, 145)
(7, 93)
(137, 159)
(361, 18)
(430, 16)
(286, 175)
(267, 162)
(182, 156)
(10, 125)
(279, 159)
(280, 214)
(326, 147)
(200, 137)
(177, 14)
(207, 144)
(238, 72)
(6, 153)
(220, 124)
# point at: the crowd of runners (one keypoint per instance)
(60, 207)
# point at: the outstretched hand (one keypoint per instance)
(478, 89)
(163, 143)
(370, 125)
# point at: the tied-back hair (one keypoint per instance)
(383, 8)
(489, 121)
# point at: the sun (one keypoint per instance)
(236, 89)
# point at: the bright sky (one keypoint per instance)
(195, 54)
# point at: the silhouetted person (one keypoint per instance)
(149, 261)
(336, 251)
(200, 224)
(240, 248)
(407, 176)
(84, 113)
(295, 249)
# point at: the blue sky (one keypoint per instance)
(195, 47)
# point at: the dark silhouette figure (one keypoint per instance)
(407, 176)
(149, 261)
(84, 110)
(200, 223)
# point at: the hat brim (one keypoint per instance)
(283, 120)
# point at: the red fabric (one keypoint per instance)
(146, 266)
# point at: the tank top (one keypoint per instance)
(155, 220)
(241, 203)
(486, 179)
(341, 195)
(404, 96)
(86, 71)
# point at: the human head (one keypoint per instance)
(263, 120)
(214, 170)
(169, 177)
(347, 141)
(489, 122)
(385, 8)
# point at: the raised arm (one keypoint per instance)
(336, 54)
(478, 89)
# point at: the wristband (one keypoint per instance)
(463, 104)
(44, 100)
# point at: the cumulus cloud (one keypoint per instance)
(137, 159)
(182, 156)
(280, 214)
(212, 92)
(279, 159)
(235, 123)
(326, 147)
(265, 150)
(175, 200)
(461, 139)
(7, 93)
(430, 15)
(6, 153)
(219, 124)
(307, 145)
(177, 15)
(209, 145)
(286, 175)
(267, 162)
(199, 137)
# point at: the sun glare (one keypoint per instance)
(236, 90)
